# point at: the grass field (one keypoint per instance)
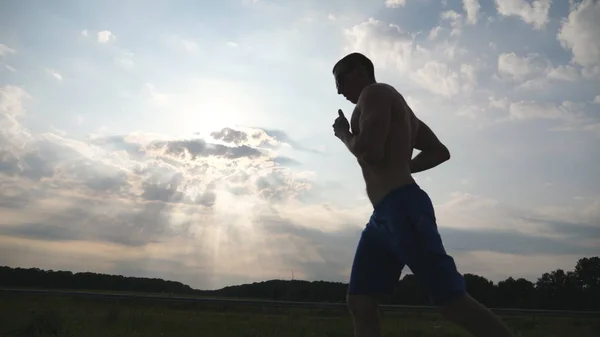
(45, 315)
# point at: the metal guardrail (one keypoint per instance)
(289, 304)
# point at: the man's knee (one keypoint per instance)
(362, 306)
(463, 309)
(476, 318)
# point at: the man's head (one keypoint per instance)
(352, 74)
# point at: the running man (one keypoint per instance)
(402, 229)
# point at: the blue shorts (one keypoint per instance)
(402, 231)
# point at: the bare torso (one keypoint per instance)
(395, 169)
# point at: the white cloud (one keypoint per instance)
(125, 60)
(105, 36)
(210, 206)
(455, 19)
(597, 99)
(535, 13)
(579, 33)
(55, 74)
(519, 68)
(564, 73)
(395, 3)
(9, 68)
(439, 78)
(84, 33)
(5, 50)
(385, 44)
(501, 103)
(469, 77)
(435, 31)
(472, 9)
(570, 112)
(189, 45)
(157, 97)
(190, 201)
(13, 137)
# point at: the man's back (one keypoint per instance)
(394, 169)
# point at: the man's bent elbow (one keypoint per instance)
(444, 153)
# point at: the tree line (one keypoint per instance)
(556, 290)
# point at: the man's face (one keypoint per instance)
(346, 82)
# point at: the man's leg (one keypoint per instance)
(375, 272)
(474, 317)
(437, 272)
(364, 310)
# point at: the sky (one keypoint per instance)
(192, 140)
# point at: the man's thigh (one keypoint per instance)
(422, 249)
(375, 269)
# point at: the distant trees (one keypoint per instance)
(573, 290)
(38, 278)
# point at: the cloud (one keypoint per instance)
(5, 50)
(535, 14)
(125, 60)
(563, 73)
(55, 74)
(521, 67)
(439, 78)
(386, 44)
(455, 19)
(224, 206)
(472, 9)
(569, 115)
(439, 69)
(475, 222)
(579, 34)
(239, 203)
(395, 3)
(524, 110)
(189, 45)
(148, 193)
(105, 36)
(84, 33)
(435, 31)
(597, 99)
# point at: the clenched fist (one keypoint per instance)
(341, 126)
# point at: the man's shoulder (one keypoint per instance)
(379, 92)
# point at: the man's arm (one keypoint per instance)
(373, 124)
(433, 152)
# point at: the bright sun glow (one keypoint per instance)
(212, 104)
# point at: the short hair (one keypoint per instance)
(354, 60)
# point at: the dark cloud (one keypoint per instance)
(572, 230)
(283, 137)
(230, 135)
(278, 187)
(102, 221)
(13, 201)
(200, 148)
(118, 143)
(336, 249)
(285, 161)
(510, 242)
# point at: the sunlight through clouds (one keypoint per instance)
(196, 145)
